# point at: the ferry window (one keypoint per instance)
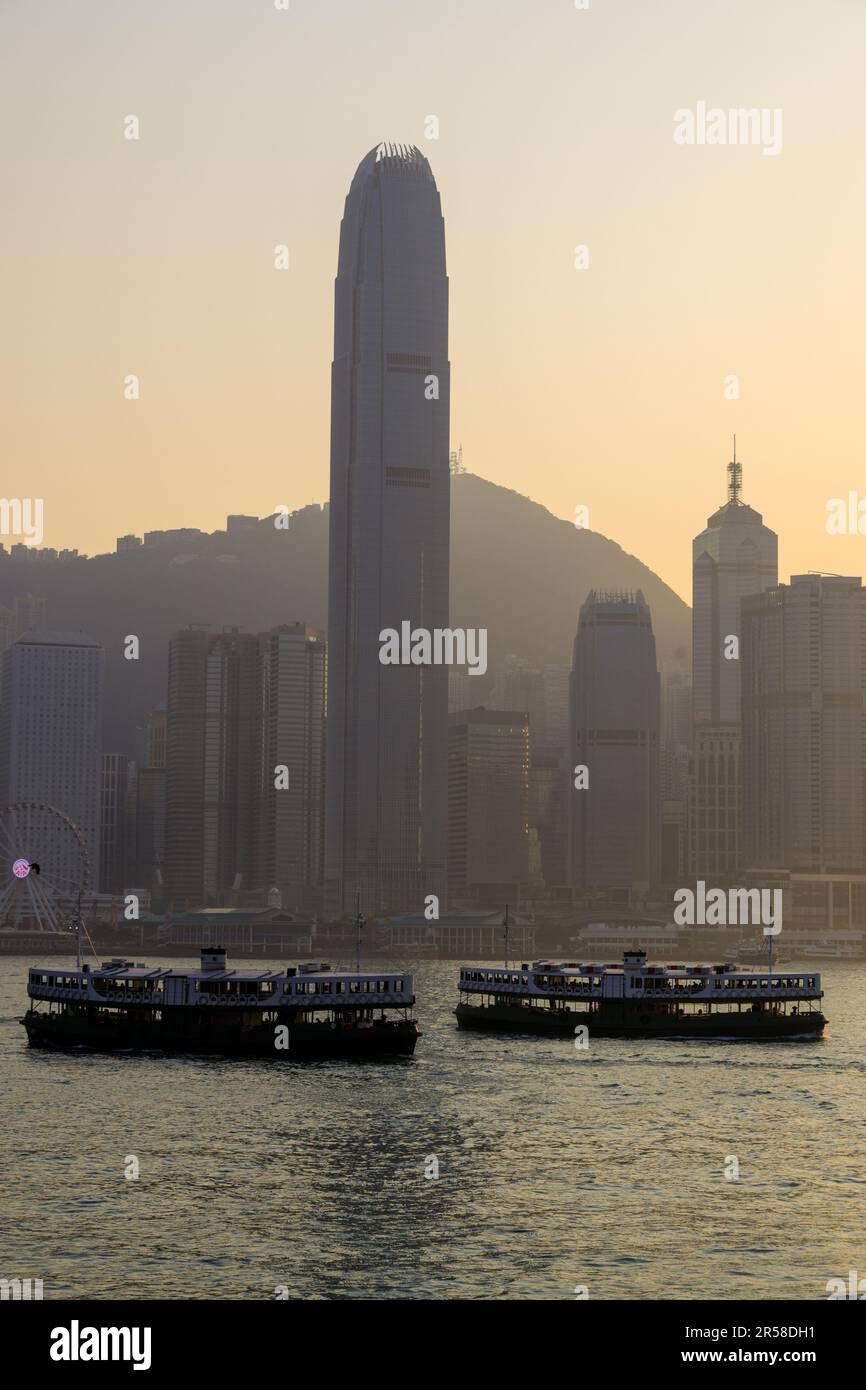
(354, 986)
(398, 986)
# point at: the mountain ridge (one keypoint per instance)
(258, 577)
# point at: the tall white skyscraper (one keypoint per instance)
(734, 556)
(387, 763)
(50, 741)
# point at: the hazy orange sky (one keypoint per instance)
(602, 387)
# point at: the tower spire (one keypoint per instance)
(735, 479)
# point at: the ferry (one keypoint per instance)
(305, 1011)
(832, 949)
(636, 1000)
(755, 953)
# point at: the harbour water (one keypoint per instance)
(557, 1168)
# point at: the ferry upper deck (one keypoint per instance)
(634, 979)
(296, 987)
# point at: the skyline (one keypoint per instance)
(432, 667)
(601, 387)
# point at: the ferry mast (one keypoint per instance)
(360, 921)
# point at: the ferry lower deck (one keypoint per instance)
(325, 1036)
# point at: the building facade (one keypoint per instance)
(51, 692)
(615, 812)
(734, 556)
(488, 803)
(387, 789)
(210, 764)
(114, 795)
(244, 775)
(290, 838)
(804, 726)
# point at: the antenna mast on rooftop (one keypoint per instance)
(735, 479)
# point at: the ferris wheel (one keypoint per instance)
(44, 868)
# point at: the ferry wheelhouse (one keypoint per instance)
(303, 1011)
(636, 1000)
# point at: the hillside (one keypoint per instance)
(515, 569)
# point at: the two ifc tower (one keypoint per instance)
(386, 809)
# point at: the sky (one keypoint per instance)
(607, 387)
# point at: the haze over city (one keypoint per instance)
(602, 387)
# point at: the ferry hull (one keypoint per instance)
(504, 1018)
(62, 1032)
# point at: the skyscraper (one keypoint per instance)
(734, 556)
(50, 743)
(289, 840)
(113, 823)
(210, 783)
(676, 750)
(147, 850)
(804, 725)
(544, 694)
(244, 764)
(387, 780)
(488, 796)
(614, 820)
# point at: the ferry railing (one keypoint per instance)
(700, 989)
